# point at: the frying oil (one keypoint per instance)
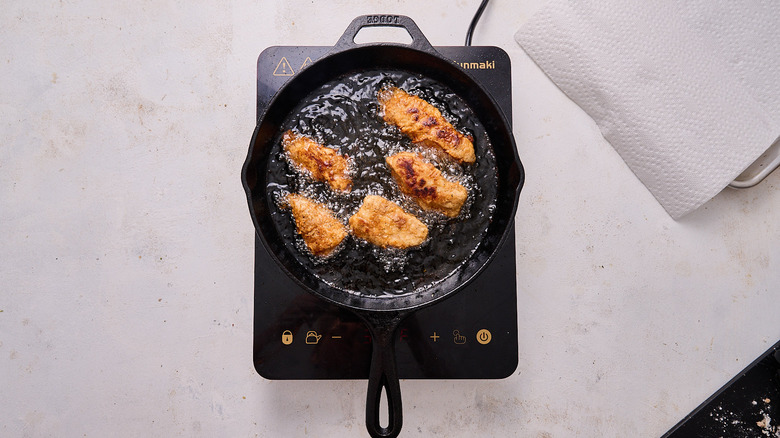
(344, 115)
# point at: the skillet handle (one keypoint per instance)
(419, 41)
(383, 375)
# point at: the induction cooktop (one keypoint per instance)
(471, 335)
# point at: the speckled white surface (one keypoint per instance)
(126, 246)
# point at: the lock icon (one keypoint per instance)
(312, 337)
(287, 337)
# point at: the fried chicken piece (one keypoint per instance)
(324, 163)
(385, 224)
(425, 184)
(318, 226)
(424, 124)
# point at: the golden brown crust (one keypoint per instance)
(324, 164)
(385, 224)
(318, 226)
(424, 124)
(425, 184)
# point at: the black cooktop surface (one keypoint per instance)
(472, 334)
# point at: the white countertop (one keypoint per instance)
(127, 249)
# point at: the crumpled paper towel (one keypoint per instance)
(688, 93)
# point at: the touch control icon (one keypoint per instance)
(312, 337)
(484, 336)
(458, 338)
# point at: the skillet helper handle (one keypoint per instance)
(383, 375)
(419, 41)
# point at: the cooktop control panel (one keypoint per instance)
(472, 334)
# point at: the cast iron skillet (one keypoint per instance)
(383, 314)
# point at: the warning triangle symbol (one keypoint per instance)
(306, 62)
(283, 68)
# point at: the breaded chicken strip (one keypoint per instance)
(387, 225)
(324, 164)
(425, 184)
(424, 124)
(319, 228)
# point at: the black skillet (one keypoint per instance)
(383, 314)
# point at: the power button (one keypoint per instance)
(484, 336)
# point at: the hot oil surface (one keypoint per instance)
(344, 115)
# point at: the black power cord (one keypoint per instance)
(474, 21)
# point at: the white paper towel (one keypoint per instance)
(688, 93)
